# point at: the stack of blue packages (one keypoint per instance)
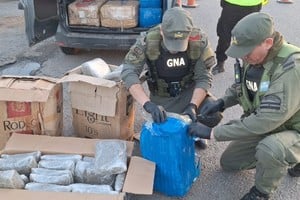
(150, 13)
(172, 149)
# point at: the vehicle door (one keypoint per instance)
(41, 19)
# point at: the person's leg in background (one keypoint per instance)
(230, 15)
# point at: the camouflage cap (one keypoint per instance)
(176, 26)
(249, 32)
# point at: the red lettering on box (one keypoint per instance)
(18, 109)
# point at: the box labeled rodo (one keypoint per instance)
(30, 105)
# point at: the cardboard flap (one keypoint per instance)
(9, 194)
(97, 98)
(140, 176)
(20, 143)
(88, 79)
(26, 88)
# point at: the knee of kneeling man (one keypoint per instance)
(267, 151)
(227, 164)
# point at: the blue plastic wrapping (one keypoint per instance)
(150, 3)
(149, 17)
(173, 151)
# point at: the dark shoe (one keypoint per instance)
(218, 68)
(294, 171)
(254, 194)
(201, 143)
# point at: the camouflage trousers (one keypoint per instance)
(270, 155)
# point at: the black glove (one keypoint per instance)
(191, 111)
(212, 107)
(158, 113)
(197, 129)
(210, 120)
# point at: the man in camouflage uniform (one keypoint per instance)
(179, 58)
(266, 137)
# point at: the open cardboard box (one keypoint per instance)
(101, 108)
(30, 105)
(139, 178)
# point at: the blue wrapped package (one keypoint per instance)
(150, 3)
(173, 151)
(149, 17)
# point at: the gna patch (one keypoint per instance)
(137, 50)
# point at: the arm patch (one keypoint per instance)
(270, 102)
(290, 62)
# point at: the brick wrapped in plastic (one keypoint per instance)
(111, 157)
(58, 164)
(35, 154)
(85, 173)
(11, 179)
(22, 165)
(87, 188)
(47, 187)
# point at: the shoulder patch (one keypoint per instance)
(195, 37)
(290, 62)
(270, 102)
(137, 50)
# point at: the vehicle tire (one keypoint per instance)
(69, 50)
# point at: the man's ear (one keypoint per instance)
(269, 42)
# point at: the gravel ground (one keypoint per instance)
(46, 59)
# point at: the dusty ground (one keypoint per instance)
(46, 59)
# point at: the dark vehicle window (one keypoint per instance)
(51, 9)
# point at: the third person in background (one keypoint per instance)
(232, 12)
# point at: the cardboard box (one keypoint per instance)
(119, 14)
(101, 108)
(139, 177)
(30, 105)
(83, 12)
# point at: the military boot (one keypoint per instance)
(254, 194)
(294, 171)
(218, 68)
(201, 143)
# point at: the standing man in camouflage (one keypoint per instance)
(178, 58)
(267, 136)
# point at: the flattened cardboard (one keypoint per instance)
(139, 178)
(9, 194)
(52, 145)
(142, 175)
(30, 105)
(94, 90)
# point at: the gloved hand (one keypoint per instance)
(210, 120)
(197, 129)
(191, 111)
(158, 113)
(212, 107)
